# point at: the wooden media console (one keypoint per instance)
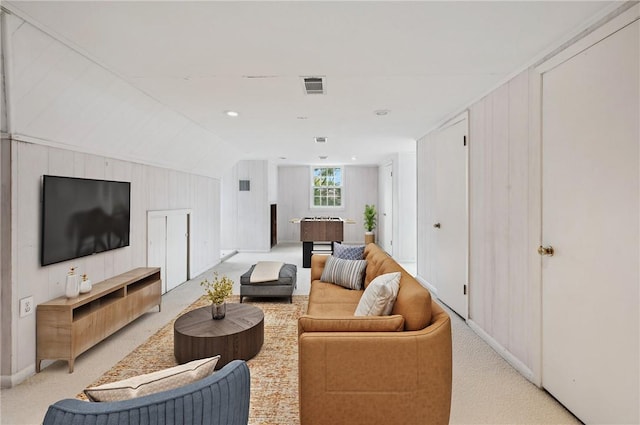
(65, 328)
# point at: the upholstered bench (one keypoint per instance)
(282, 287)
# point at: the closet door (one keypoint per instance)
(177, 249)
(386, 212)
(168, 245)
(157, 245)
(450, 228)
(590, 218)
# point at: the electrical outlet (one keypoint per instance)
(26, 306)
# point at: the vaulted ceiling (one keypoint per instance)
(418, 61)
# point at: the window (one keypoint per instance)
(326, 187)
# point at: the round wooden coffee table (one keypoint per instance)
(238, 336)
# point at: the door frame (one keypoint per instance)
(387, 207)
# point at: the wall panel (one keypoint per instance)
(404, 207)
(520, 295)
(152, 188)
(504, 223)
(61, 98)
(498, 206)
(245, 214)
(294, 185)
(502, 210)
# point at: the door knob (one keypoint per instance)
(546, 250)
(437, 225)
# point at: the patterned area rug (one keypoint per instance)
(274, 371)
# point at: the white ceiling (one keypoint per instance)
(422, 61)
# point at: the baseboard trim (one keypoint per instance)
(229, 255)
(503, 352)
(9, 381)
(195, 275)
(427, 285)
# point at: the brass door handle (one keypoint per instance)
(546, 250)
(437, 225)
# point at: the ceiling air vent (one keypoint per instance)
(314, 85)
(320, 139)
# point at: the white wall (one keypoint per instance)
(63, 99)
(67, 115)
(152, 188)
(272, 195)
(228, 205)
(505, 223)
(405, 207)
(504, 206)
(246, 215)
(6, 299)
(294, 186)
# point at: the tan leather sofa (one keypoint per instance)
(392, 370)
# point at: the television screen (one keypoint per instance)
(82, 217)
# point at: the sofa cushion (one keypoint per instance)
(326, 293)
(346, 273)
(380, 295)
(348, 252)
(150, 383)
(350, 324)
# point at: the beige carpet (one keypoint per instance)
(274, 371)
(486, 390)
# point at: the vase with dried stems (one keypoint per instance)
(217, 291)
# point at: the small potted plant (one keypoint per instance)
(369, 223)
(217, 291)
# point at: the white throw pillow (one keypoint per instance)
(380, 295)
(154, 382)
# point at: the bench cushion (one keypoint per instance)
(287, 275)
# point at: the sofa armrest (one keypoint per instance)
(317, 266)
(369, 377)
(393, 323)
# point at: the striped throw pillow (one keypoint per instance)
(347, 273)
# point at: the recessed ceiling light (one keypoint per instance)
(283, 157)
(231, 113)
(381, 112)
(320, 139)
(353, 158)
(302, 118)
(323, 157)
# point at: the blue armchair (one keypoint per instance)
(219, 399)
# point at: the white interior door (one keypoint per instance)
(387, 209)
(177, 249)
(157, 246)
(451, 225)
(590, 217)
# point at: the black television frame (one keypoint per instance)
(99, 212)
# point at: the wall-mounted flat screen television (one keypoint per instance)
(82, 217)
